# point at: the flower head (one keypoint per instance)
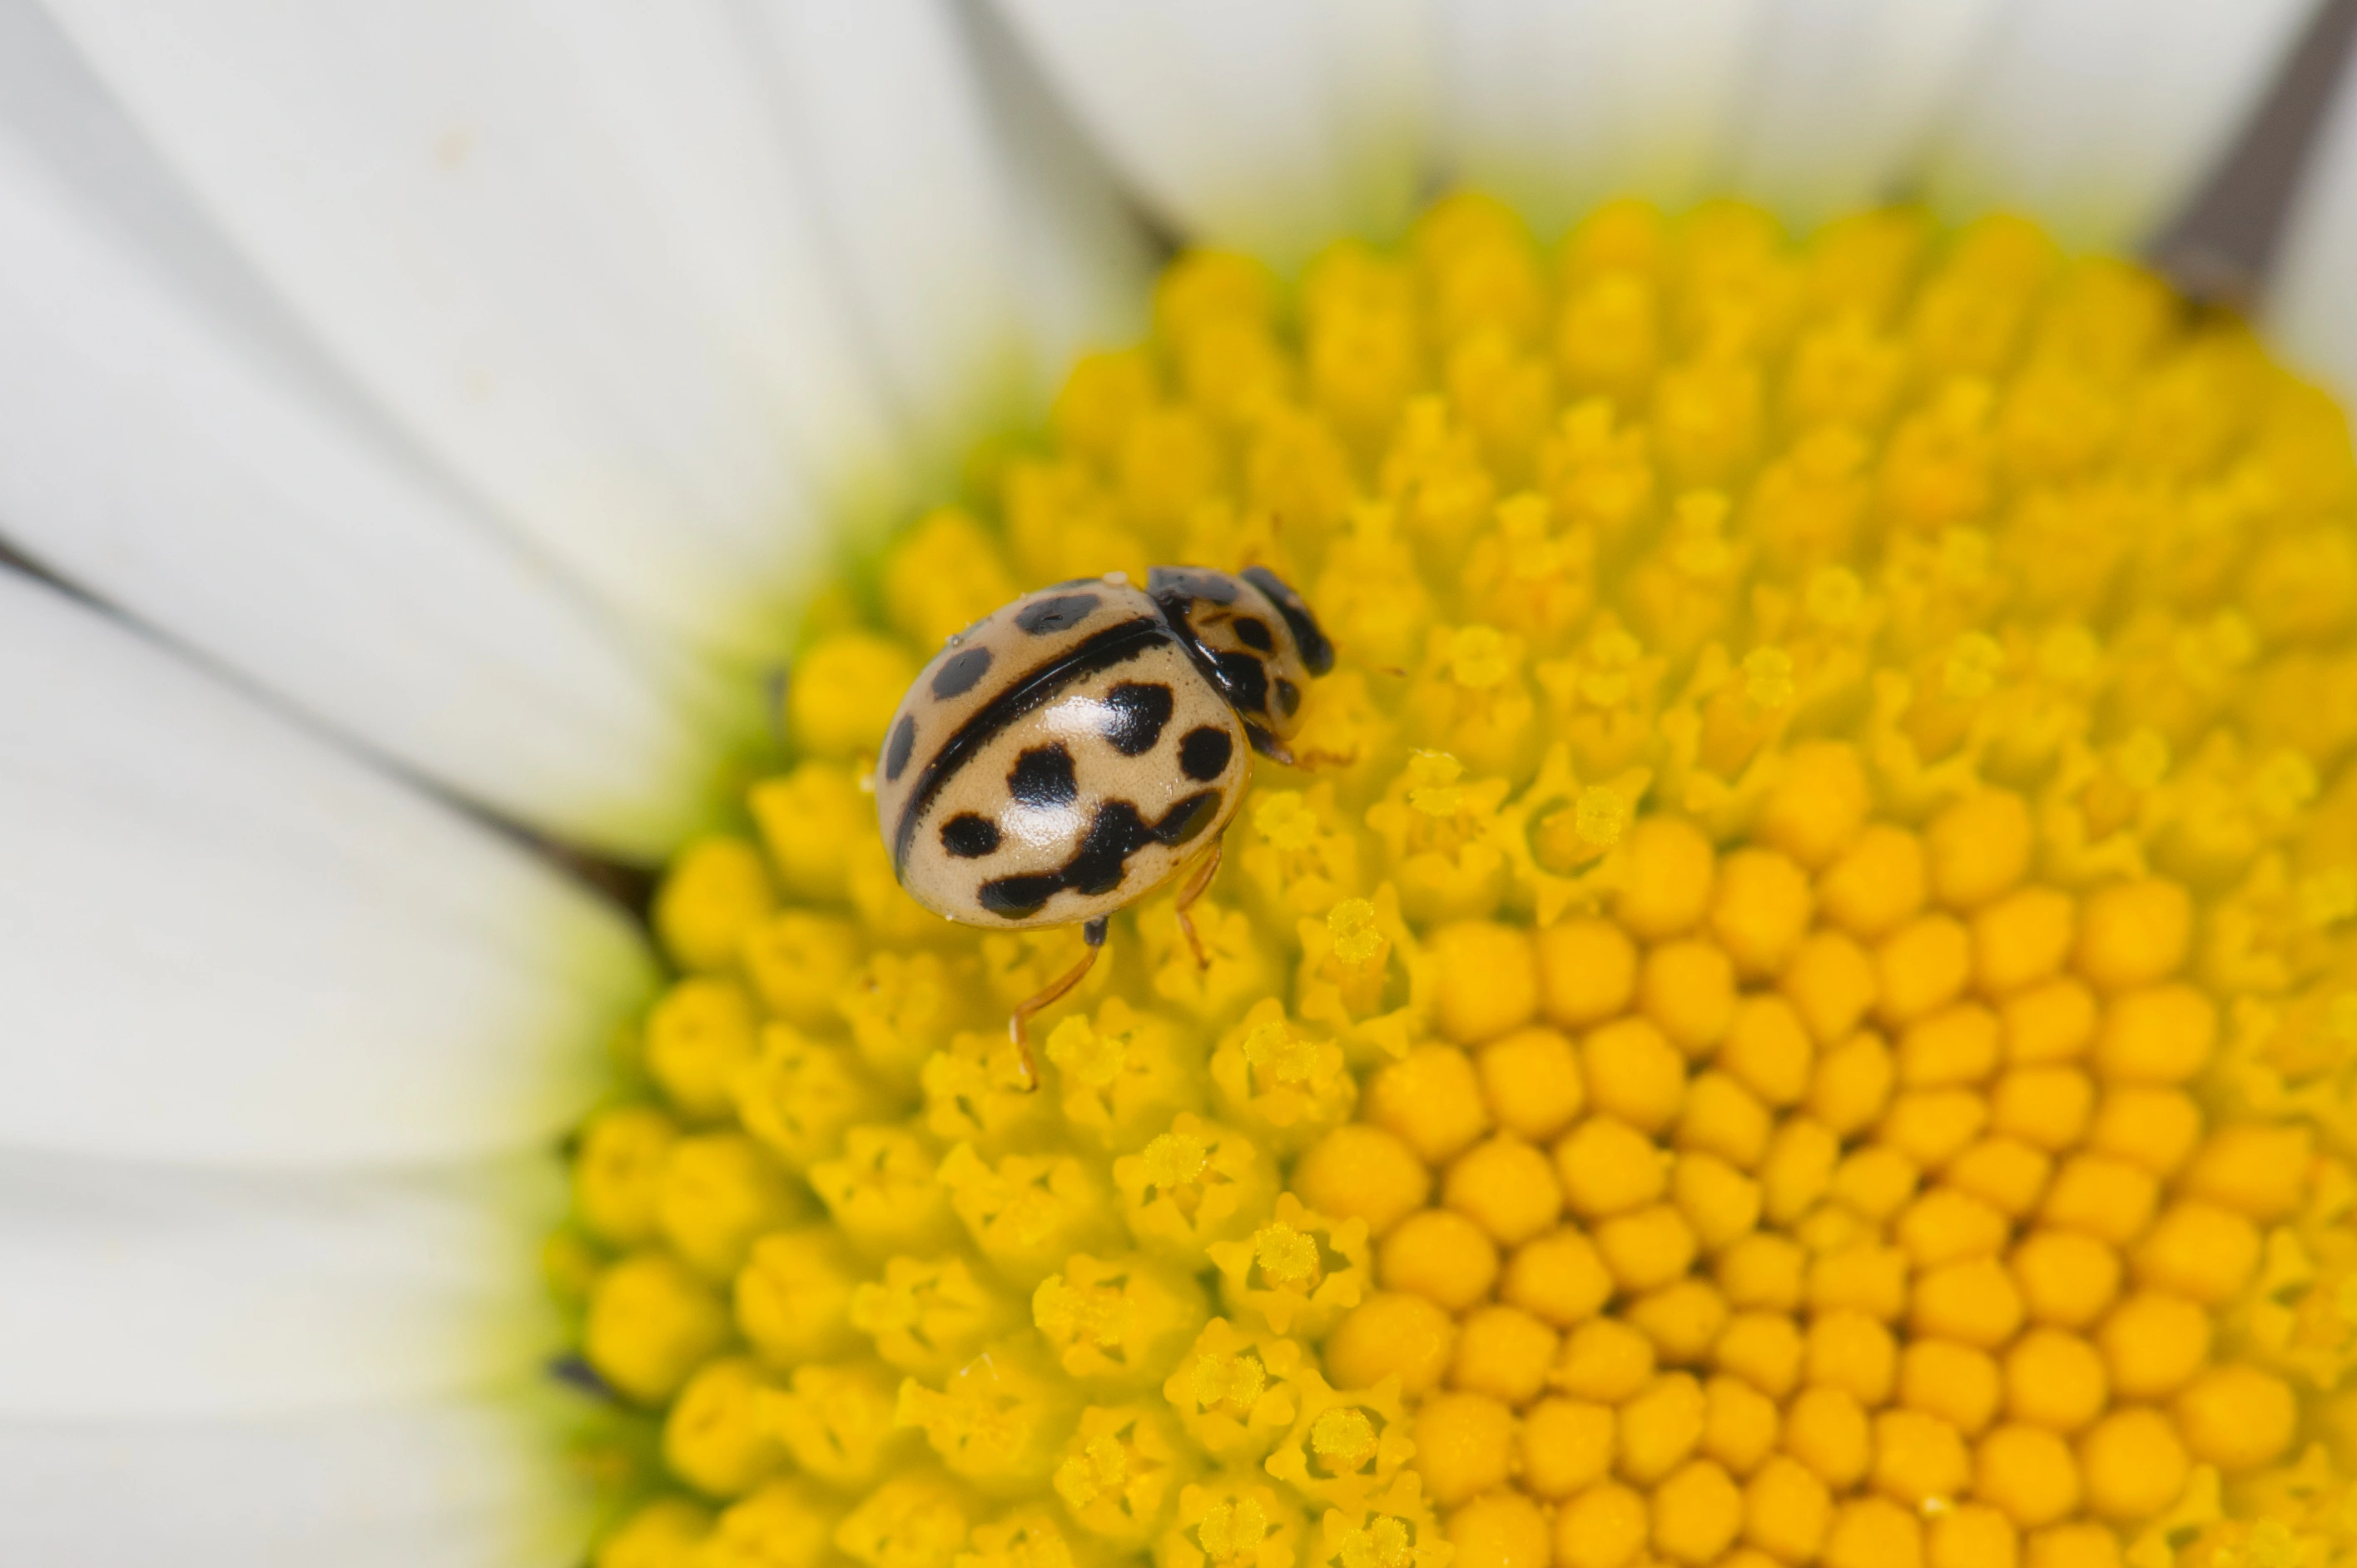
(1811, 966)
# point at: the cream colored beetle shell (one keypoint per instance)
(1063, 756)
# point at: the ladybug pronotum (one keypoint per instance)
(1068, 753)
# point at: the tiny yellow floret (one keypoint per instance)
(2054, 1380)
(1505, 1352)
(1826, 1429)
(1603, 1527)
(2029, 1472)
(1391, 1336)
(651, 1324)
(1568, 1445)
(1958, 1383)
(1588, 972)
(2235, 1417)
(2066, 1278)
(1361, 1171)
(1919, 1459)
(1560, 1278)
(1465, 1444)
(1432, 1098)
(2134, 933)
(1659, 1426)
(1506, 1186)
(1786, 1510)
(1606, 1362)
(1761, 908)
(2133, 1463)
(1979, 848)
(1439, 1255)
(1686, 990)
(1502, 1530)
(1878, 882)
(1533, 1081)
(1697, 1512)
(1489, 979)
(1634, 1073)
(1873, 1532)
(718, 889)
(1972, 1535)
(1670, 872)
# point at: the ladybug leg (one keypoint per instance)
(1197, 881)
(1276, 751)
(1056, 990)
(1268, 746)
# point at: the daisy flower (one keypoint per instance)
(1804, 1014)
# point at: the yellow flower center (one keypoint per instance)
(1807, 1009)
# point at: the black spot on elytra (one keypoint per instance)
(960, 671)
(1244, 681)
(1308, 637)
(1043, 777)
(1019, 897)
(903, 747)
(1097, 867)
(1058, 612)
(1288, 697)
(1137, 710)
(1188, 818)
(970, 837)
(1203, 754)
(1253, 633)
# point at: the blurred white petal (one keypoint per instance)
(222, 940)
(912, 171)
(1269, 127)
(565, 244)
(1557, 105)
(1084, 259)
(157, 451)
(2100, 117)
(451, 1485)
(1841, 94)
(2312, 292)
(140, 1291)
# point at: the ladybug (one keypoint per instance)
(1067, 755)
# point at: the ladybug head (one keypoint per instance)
(1253, 638)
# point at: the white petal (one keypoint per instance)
(222, 940)
(2100, 117)
(983, 240)
(2311, 305)
(883, 100)
(1557, 104)
(1842, 94)
(1271, 127)
(157, 451)
(561, 243)
(1085, 261)
(149, 1293)
(475, 1484)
